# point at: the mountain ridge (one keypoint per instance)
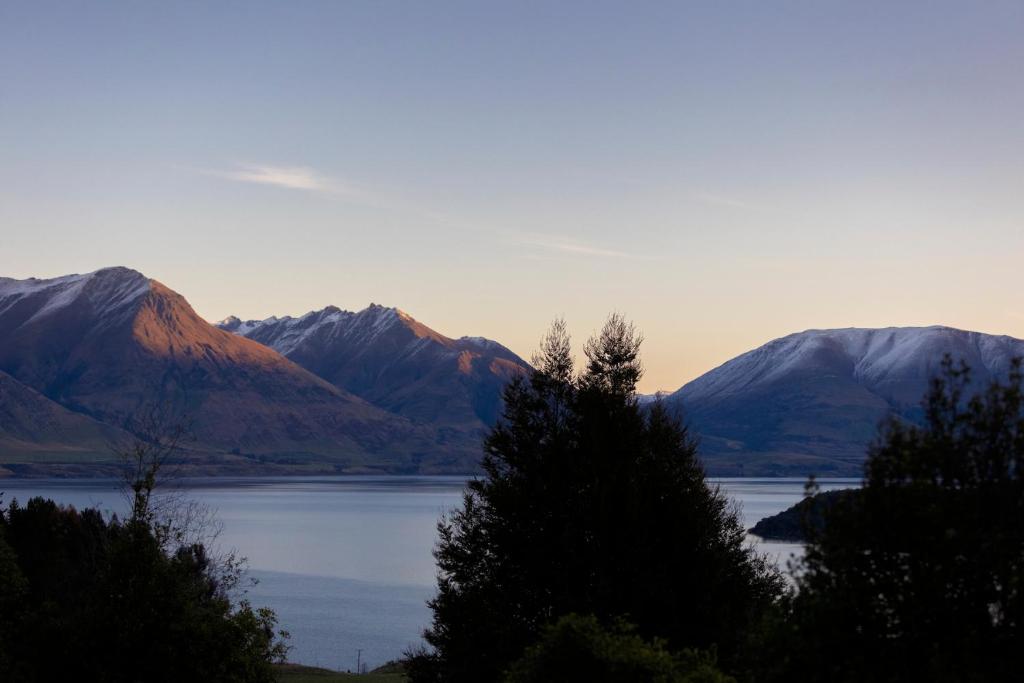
(394, 361)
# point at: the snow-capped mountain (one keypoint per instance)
(388, 358)
(107, 295)
(813, 400)
(336, 390)
(107, 343)
(647, 399)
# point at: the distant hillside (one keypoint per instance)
(32, 424)
(812, 401)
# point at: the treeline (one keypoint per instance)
(87, 598)
(593, 549)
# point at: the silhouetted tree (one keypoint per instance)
(588, 505)
(102, 600)
(148, 454)
(921, 575)
(12, 602)
(87, 598)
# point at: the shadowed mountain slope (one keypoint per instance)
(35, 427)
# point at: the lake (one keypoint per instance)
(346, 561)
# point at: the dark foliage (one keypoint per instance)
(588, 505)
(921, 576)
(85, 598)
(580, 649)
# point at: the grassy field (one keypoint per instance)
(296, 673)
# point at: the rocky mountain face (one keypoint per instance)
(812, 401)
(106, 344)
(396, 363)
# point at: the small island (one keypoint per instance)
(791, 524)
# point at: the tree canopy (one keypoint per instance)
(84, 597)
(921, 575)
(589, 504)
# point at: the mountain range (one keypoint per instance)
(378, 391)
(93, 350)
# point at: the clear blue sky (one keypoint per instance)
(722, 172)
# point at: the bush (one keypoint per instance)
(578, 648)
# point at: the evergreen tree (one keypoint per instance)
(921, 575)
(590, 505)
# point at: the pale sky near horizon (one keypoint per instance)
(722, 173)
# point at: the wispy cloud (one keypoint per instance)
(289, 177)
(565, 245)
(721, 200)
(303, 178)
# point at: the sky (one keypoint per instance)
(722, 173)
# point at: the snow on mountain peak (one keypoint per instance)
(876, 357)
(482, 343)
(364, 328)
(106, 290)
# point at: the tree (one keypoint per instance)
(921, 575)
(589, 505)
(83, 597)
(154, 437)
(100, 599)
(12, 602)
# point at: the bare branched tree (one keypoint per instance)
(150, 455)
(152, 461)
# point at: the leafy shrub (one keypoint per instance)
(578, 648)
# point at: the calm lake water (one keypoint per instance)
(345, 561)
